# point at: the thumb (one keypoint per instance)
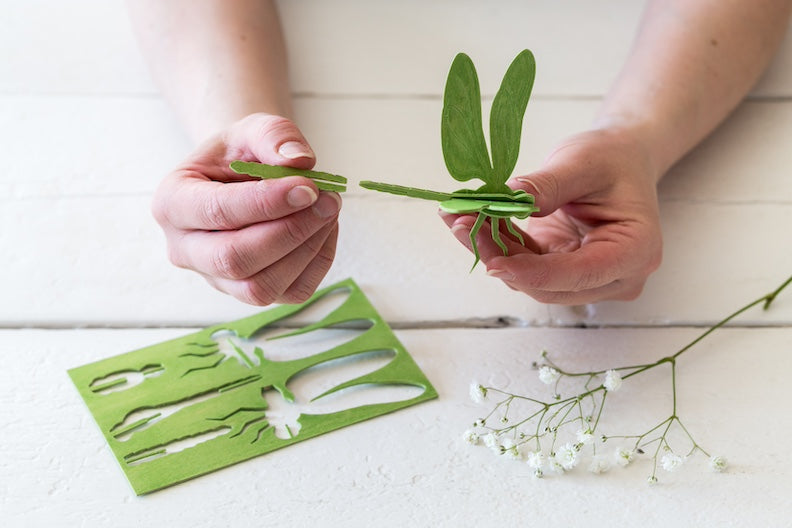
(552, 187)
(270, 139)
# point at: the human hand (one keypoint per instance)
(597, 235)
(261, 241)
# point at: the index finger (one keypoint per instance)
(189, 201)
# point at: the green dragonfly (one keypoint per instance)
(465, 150)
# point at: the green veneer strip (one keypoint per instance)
(324, 180)
(201, 392)
(400, 190)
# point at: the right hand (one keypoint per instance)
(261, 241)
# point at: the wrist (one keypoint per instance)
(642, 137)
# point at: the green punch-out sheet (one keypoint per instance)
(192, 405)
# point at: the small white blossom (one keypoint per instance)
(567, 456)
(671, 461)
(477, 392)
(613, 381)
(718, 463)
(491, 441)
(509, 448)
(623, 456)
(471, 437)
(548, 375)
(599, 464)
(584, 436)
(652, 480)
(535, 459)
(538, 473)
(555, 466)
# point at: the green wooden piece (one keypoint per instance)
(222, 400)
(465, 150)
(508, 109)
(400, 190)
(461, 132)
(324, 180)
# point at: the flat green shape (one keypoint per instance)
(226, 396)
(324, 180)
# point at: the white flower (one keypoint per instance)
(471, 437)
(613, 381)
(509, 448)
(671, 461)
(718, 463)
(535, 459)
(491, 441)
(599, 464)
(566, 456)
(548, 375)
(554, 467)
(652, 480)
(584, 436)
(477, 392)
(623, 456)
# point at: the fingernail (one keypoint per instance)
(301, 196)
(328, 205)
(461, 231)
(294, 150)
(500, 274)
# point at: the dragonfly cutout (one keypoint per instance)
(465, 150)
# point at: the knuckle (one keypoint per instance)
(175, 256)
(538, 278)
(272, 126)
(160, 208)
(296, 232)
(297, 293)
(228, 262)
(214, 214)
(257, 291)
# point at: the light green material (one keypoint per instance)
(324, 180)
(228, 405)
(465, 149)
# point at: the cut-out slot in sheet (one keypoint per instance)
(183, 408)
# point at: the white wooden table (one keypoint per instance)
(85, 138)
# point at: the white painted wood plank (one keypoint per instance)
(101, 260)
(120, 146)
(350, 46)
(80, 47)
(411, 467)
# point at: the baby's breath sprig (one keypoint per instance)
(540, 434)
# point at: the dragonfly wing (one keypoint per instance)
(462, 135)
(508, 109)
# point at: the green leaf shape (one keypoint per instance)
(462, 136)
(224, 397)
(508, 110)
(324, 180)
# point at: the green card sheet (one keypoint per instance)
(192, 405)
